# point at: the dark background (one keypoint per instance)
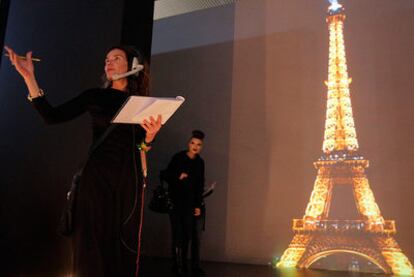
(71, 38)
(252, 73)
(4, 11)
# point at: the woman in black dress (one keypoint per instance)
(107, 204)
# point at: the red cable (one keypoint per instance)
(141, 220)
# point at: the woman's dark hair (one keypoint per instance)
(137, 85)
(198, 134)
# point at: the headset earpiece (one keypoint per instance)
(135, 63)
(135, 69)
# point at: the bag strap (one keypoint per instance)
(162, 178)
(101, 139)
(98, 142)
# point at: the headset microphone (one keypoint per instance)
(136, 68)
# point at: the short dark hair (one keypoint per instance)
(198, 134)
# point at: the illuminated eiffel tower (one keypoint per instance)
(317, 235)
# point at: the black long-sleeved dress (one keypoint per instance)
(109, 185)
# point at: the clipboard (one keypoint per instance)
(137, 108)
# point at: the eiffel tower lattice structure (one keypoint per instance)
(317, 235)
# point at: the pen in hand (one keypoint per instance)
(24, 58)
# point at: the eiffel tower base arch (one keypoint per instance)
(381, 250)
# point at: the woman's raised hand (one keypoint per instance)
(23, 66)
(152, 127)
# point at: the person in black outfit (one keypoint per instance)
(107, 204)
(185, 177)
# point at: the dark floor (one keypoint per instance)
(154, 267)
(161, 267)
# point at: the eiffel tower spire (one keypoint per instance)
(340, 134)
(318, 235)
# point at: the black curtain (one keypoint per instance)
(4, 11)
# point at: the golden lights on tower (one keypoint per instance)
(316, 234)
(340, 131)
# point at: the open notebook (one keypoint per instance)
(137, 108)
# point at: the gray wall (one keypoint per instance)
(202, 73)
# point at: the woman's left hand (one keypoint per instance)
(197, 212)
(152, 127)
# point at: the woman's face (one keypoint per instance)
(115, 63)
(195, 145)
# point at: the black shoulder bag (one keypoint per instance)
(65, 227)
(160, 201)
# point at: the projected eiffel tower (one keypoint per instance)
(317, 235)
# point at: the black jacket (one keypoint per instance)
(186, 193)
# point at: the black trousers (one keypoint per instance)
(196, 231)
(186, 229)
(181, 221)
